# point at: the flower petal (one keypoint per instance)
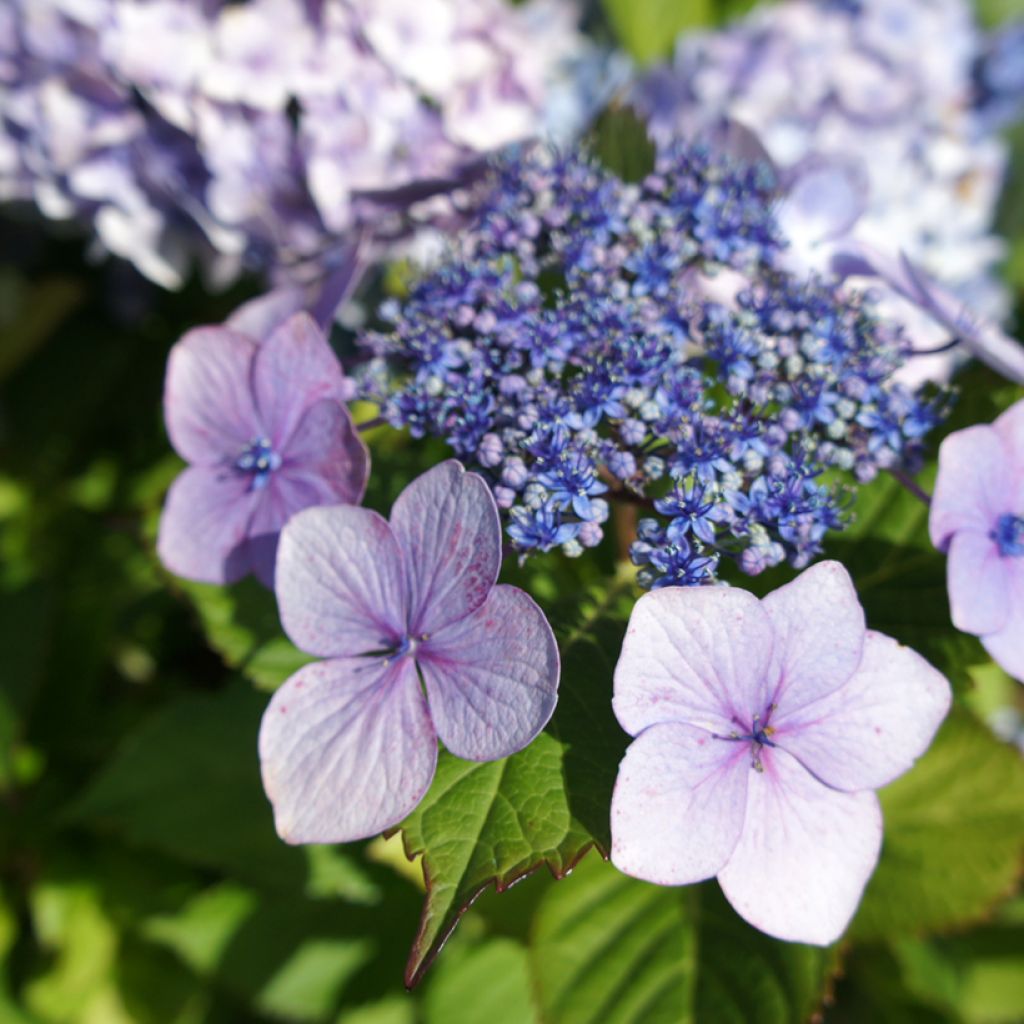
(805, 853)
(261, 316)
(972, 486)
(340, 582)
(1010, 428)
(678, 804)
(447, 525)
(294, 368)
(205, 524)
(327, 448)
(978, 583)
(1006, 645)
(872, 729)
(346, 749)
(699, 655)
(982, 338)
(819, 634)
(208, 404)
(825, 198)
(492, 677)
(325, 463)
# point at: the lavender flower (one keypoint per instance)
(267, 135)
(348, 745)
(759, 742)
(977, 516)
(868, 109)
(589, 341)
(265, 430)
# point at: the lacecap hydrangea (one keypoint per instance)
(589, 340)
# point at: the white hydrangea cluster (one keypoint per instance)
(263, 133)
(884, 92)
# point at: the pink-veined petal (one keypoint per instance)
(492, 677)
(819, 634)
(208, 403)
(205, 523)
(872, 729)
(340, 582)
(294, 368)
(978, 582)
(1006, 646)
(346, 749)
(972, 486)
(699, 655)
(678, 804)
(804, 855)
(447, 525)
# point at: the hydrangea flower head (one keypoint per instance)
(762, 730)
(264, 428)
(265, 135)
(977, 517)
(888, 106)
(397, 607)
(589, 340)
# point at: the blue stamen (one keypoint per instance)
(758, 735)
(259, 460)
(1009, 536)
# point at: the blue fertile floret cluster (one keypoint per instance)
(591, 341)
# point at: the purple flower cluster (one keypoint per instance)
(592, 340)
(890, 107)
(267, 134)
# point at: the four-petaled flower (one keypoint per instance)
(348, 745)
(266, 432)
(762, 729)
(977, 516)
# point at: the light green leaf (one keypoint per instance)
(954, 836)
(490, 982)
(647, 29)
(286, 956)
(608, 949)
(492, 823)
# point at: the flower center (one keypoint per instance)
(758, 735)
(259, 460)
(1009, 536)
(407, 645)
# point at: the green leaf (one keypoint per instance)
(242, 625)
(978, 977)
(954, 836)
(608, 949)
(620, 141)
(77, 986)
(292, 958)
(492, 823)
(647, 29)
(490, 982)
(187, 783)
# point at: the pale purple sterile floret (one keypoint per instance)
(261, 420)
(977, 516)
(762, 730)
(348, 745)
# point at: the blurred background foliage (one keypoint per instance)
(140, 878)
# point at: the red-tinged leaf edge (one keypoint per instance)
(420, 958)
